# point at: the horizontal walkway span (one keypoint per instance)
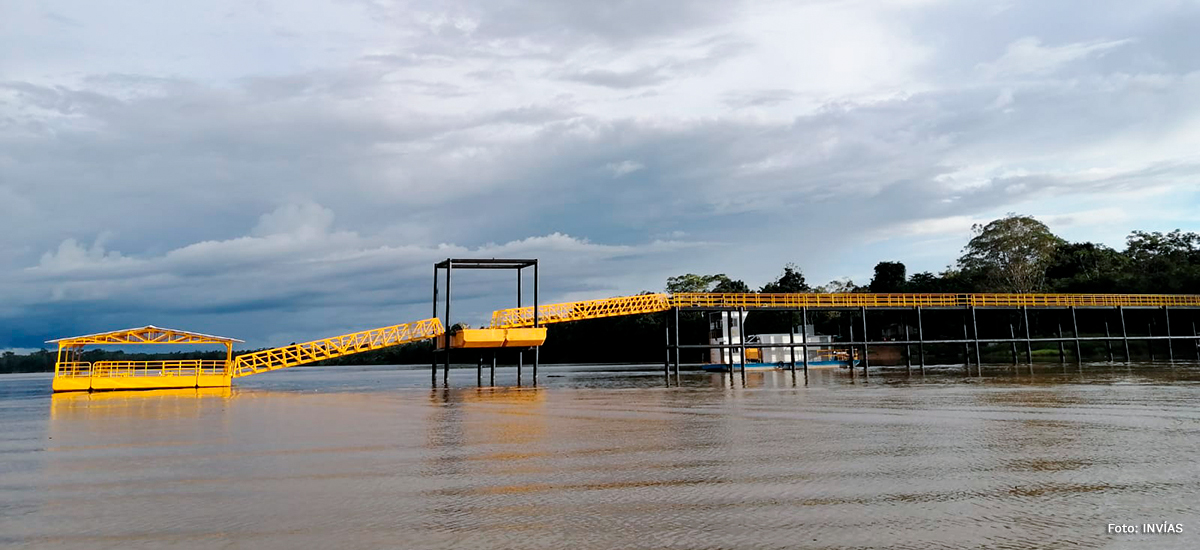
(651, 303)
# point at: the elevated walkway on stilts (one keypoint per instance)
(516, 327)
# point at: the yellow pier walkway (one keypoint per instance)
(509, 328)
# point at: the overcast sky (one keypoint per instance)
(284, 170)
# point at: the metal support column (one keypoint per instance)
(449, 327)
(1075, 331)
(1012, 335)
(804, 336)
(866, 351)
(1124, 333)
(1062, 347)
(1170, 343)
(975, 331)
(676, 313)
(521, 351)
(1028, 340)
(537, 350)
(742, 339)
(435, 352)
(667, 345)
(479, 371)
(792, 350)
(920, 341)
(727, 318)
(1108, 341)
(493, 371)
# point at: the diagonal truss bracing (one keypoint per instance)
(575, 311)
(651, 303)
(337, 346)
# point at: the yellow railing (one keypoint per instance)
(157, 368)
(73, 369)
(651, 303)
(327, 348)
(574, 311)
(185, 367)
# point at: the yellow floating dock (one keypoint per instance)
(475, 338)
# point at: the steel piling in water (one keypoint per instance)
(804, 338)
(975, 331)
(1075, 332)
(1170, 344)
(921, 345)
(866, 351)
(1124, 333)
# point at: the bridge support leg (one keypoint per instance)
(479, 371)
(1108, 341)
(742, 341)
(1012, 335)
(446, 371)
(667, 346)
(676, 314)
(1075, 331)
(866, 352)
(792, 350)
(1062, 348)
(920, 341)
(492, 375)
(520, 363)
(1124, 333)
(1170, 343)
(727, 351)
(1028, 340)
(435, 310)
(804, 338)
(975, 331)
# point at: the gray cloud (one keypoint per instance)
(305, 189)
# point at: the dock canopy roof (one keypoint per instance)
(148, 334)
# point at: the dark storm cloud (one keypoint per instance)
(310, 193)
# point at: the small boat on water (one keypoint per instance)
(725, 329)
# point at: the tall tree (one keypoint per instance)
(1011, 253)
(1087, 267)
(889, 277)
(1164, 262)
(790, 281)
(695, 283)
(731, 286)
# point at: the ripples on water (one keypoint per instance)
(370, 457)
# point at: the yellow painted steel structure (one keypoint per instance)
(328, 348)
(576, 311)
(509, 328)
(71, 374)
(495, 338)
(652, 303)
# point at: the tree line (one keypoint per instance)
(1012, 254)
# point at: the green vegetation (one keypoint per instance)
(1012, 254)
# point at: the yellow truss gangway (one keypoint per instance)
(73, 374)
(652, 303)
(338, 346)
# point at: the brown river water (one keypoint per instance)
(604, 457)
